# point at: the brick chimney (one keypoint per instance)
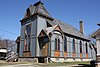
(81, 27)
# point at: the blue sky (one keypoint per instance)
(68, 11)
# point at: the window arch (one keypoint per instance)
(86, 48)
(80, 47)
(73, 45)
(65, 44)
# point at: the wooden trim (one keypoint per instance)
(86, 55)
(74, 54)
(40, 14)
(56, 54)
(50, 46)
(36, 36)
(26, 53)
(65, 54)
(44, 50)
(81, 55)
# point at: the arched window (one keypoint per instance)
(73, 45)
(80, 47)
(27, 37)
(86, 48)
(59, 44)
(65, 44)
(55, 44)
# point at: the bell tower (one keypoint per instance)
(34, 20)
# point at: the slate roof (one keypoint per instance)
(66, 28)
(37, 8)
(40, 8)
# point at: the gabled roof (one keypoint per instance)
(50, 29)
(66, 28)
(42, 33)
(53, 28)
(96, 33)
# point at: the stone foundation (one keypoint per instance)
(35, 60)
(68, 60)
(50, 60)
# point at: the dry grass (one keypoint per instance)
(66, 63)
(12, 63)
(44, 64)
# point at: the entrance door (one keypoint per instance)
(44, 49)
(43, 43)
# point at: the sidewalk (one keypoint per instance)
(29, 65)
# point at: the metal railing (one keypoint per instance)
(12, 57)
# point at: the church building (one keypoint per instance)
(46, 39)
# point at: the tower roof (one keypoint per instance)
(37, 3)
(39, 9)
(36, 8)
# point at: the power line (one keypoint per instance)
(8, 31)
